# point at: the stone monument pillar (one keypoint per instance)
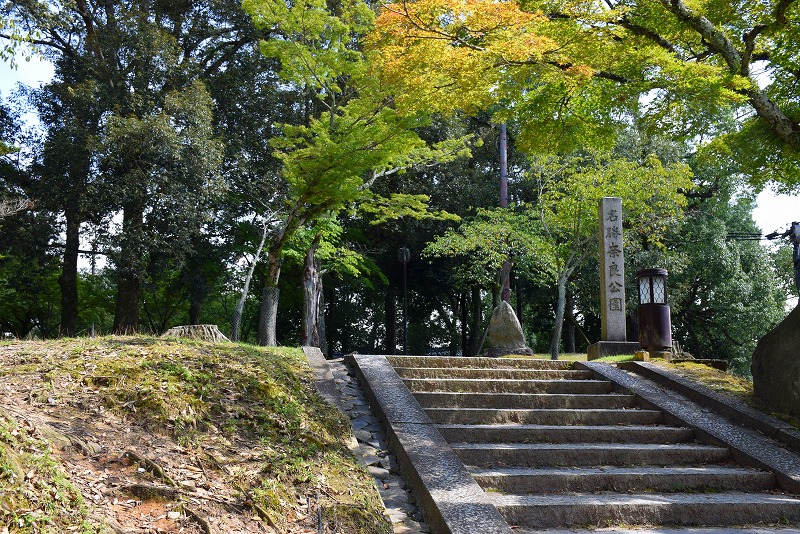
(612, 283)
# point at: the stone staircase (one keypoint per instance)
(554, 446)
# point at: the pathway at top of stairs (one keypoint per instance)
(554, 447)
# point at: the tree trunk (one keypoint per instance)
(312, 289)
(322, 326)
(194, 309)
(555, 341)
(390, 318)
(476, 332)
(453, 324)
(126, 311)
(450, 321)
(205, 332)
(569, 326)
(331, 339)
(236, 322)
(268, 313)
(68, 281)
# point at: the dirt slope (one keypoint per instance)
(140, 434)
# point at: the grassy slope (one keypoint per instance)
(140, 433)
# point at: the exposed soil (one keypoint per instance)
(195, 469)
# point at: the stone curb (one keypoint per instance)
(451, 500)
(323, 377)
(326, 387)
(734, 409)
(366, 442)
(747, 446)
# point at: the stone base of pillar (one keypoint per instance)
(496, 352)
(611, 348)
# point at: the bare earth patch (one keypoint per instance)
(145, 435)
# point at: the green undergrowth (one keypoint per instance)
(35, 496)
(616, 359)
(211, 397)
(714, 379)
(726, 383)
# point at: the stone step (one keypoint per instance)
(490, 363)
(666, 530)
(566, 417)
(707, 509)
(491, 373)
(587, 454)
(509, 386)
(623, 479)
(524, 400)
(517, 433)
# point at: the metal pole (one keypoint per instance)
(404, 255)
(405, 310)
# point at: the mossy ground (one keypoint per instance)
(726, 383)
(142, 434)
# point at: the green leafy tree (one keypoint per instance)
(570, 72)
(126, 66)
(350, 135)
(652, 203)
(553, 237)
(725, 289)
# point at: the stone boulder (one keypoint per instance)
(776, 366)
(505, 333)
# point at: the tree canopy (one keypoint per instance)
(568, 72)
(206, 147)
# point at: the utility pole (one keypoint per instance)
(794, 237)
(793, 233)
(505, 276)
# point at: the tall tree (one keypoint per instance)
(125, 63)
(350, 135)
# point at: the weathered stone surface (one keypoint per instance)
(205, 332)
(505, 333)
(776, 366)
(611, 348)
(612, 270)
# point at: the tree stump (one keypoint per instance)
(204, 332)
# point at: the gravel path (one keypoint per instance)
(374, 451)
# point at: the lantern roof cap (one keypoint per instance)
(651, 272)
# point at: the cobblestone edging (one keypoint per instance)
(374, 452)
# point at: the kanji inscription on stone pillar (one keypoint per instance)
(612, 270)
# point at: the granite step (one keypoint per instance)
(508, 386)
(522, 433)
(605, 509)
(587, 454)
(628, 479)
(492, 373)
(492, 363)
(433, 399)
(571, 454)
(544, 416)
(751, 529)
